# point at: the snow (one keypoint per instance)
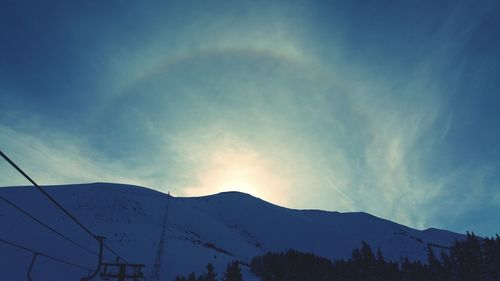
(217, 229)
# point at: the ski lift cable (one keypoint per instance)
(46, 225)
(43, 254)
(58, 205)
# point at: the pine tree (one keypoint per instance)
(191, 277)
(367, 253)
(467, 258)
(233, 272)
(368, 263)
(380, 257)
(381, 268)
(180, 278)
(490, 268)
(209, 275)
(434, 266)
(447, 266)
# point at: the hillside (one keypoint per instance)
(216, 229)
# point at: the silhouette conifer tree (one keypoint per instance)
(191, 277)
(180, 278)
(209, 275)
(434, 266)
(233, 272)
(490, 268)
(467, 259)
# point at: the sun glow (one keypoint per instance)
(239, 170)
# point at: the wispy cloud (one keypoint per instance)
(292, 103)
(58, 158)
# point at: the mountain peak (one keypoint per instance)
(218, 228)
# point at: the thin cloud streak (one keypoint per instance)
(298, 104)
(57, 158)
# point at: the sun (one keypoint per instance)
(243, 177)
(241, 186)
(234, 171)
(240, 170)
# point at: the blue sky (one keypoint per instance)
(387, 107)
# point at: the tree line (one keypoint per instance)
(233, 273)
(472, 259)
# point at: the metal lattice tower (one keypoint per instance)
(155, 274)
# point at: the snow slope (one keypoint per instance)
(216, 229)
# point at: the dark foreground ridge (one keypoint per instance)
(474, 259)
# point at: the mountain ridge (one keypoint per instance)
(214, 228)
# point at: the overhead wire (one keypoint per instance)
(43, 254)
(60, 206)
(13, 205)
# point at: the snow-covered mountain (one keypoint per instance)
(217, 228)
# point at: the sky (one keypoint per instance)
(385, 107)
